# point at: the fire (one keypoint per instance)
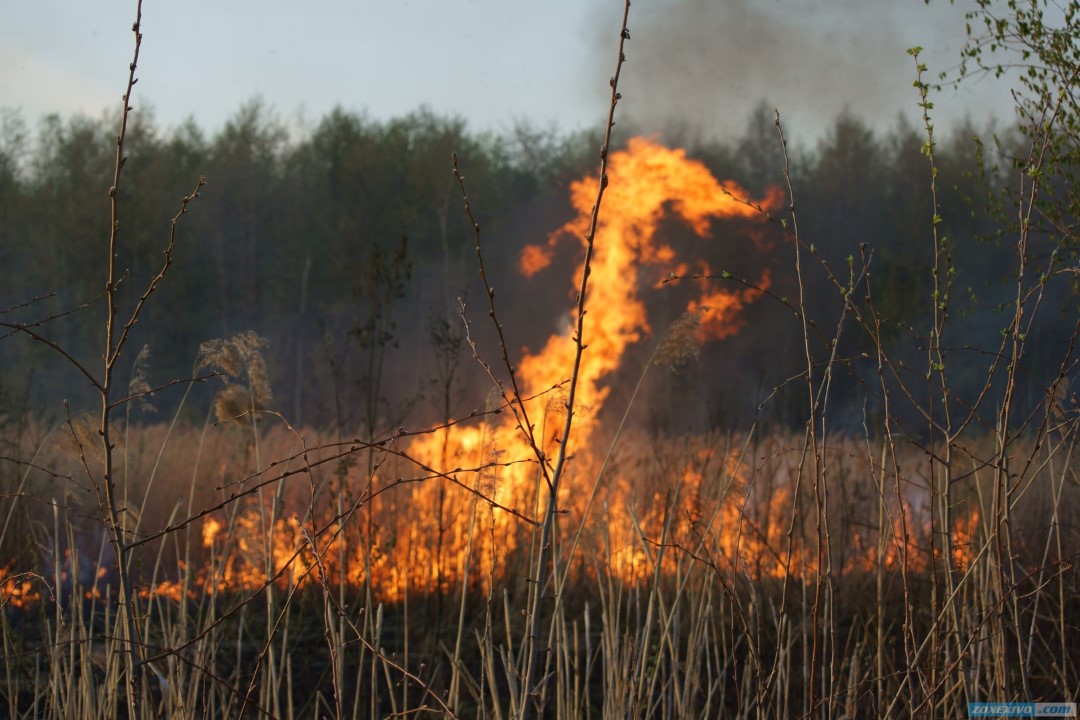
(534, 258)
(965, 532)
(210, 529)
(647, 183)
(723, 318)
(433, 535)
(440, 532)
(17, 589)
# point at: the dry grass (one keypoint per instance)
(674, 604)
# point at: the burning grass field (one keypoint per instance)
(501, 566)
(896, 543)
(691, 583)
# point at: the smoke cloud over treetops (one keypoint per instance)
(701, 65)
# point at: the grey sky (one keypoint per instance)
(703, 62)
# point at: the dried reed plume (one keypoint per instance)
(83, 439)
(139, 389)
(682, 341)
(239, 359)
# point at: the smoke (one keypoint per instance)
(703, 65)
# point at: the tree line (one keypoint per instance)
(346, 247)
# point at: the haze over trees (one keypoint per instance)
(352, 236)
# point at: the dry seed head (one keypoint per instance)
(682, 342)
(494, 400)
(258, 380)
(83, 439)
(139, 387)
(1064, 402)
(240, 358)
(233, 402)
(556, 404)
(487, 481)
(221, 355)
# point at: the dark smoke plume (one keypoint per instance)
(702, 65)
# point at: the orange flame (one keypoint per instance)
(965, 532)
(647, 183)
(434, 535)
(17, 589)
(439, 535)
